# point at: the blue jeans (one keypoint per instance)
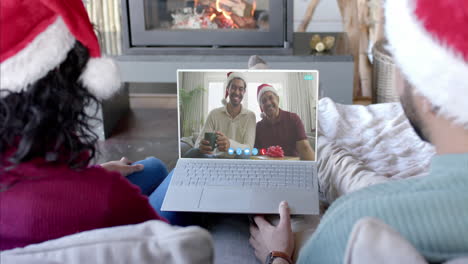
(153, 181)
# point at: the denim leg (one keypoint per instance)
(150, 177)
(176, 218)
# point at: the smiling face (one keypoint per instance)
(269, 102)
(236, 91)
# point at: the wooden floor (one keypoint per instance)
(149, 129)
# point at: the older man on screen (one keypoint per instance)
(279, 127)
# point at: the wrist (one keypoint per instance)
(278, 257)
(280, 261)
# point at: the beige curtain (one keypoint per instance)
(300, 99)
(105, 16)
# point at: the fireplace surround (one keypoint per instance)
(207, 27)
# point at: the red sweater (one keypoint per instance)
(56, 201)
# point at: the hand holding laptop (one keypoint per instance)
(266, 238)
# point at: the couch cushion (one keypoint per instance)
(373, 241)
(149, 242)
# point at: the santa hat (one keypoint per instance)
(230, 77)
(36, 36)
(428, 40)
(263, 88)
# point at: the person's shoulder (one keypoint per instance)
(286, 115)
(261, 123)
(250, 113)
(292, 115)
(217, 111)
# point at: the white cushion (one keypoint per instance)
(360, 146)
(373, 241)
(148, 242)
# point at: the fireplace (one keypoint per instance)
(207, 26)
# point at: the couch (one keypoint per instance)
(356, 145)
(371, 241)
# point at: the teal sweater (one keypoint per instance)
(431, 212)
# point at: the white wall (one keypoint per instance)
(326, 18)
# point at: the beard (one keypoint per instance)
(235, 100)
(407, 102)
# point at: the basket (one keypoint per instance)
(383, 75)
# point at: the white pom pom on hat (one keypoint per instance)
(36, 36)
(428, 40)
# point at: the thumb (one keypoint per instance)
(284, 213)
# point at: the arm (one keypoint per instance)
(126, 204)
(122, 166)
(305, 150)
(249, 137)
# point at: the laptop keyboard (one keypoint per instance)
(261, 174)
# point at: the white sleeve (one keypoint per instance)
(249, 137)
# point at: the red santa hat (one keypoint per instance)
(428, 40)
(263, 88)
(36, 36)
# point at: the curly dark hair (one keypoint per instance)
(50, 118)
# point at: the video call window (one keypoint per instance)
(287, 131)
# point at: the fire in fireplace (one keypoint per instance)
(221, 14)
(220, 24)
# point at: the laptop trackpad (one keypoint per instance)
(225, 198)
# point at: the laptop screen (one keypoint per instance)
(248, 114)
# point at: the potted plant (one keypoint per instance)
(186, 102)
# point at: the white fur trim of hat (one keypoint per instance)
(263, 89)
(37, 37)
(231, 76)
(433, 57)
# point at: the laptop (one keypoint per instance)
(254, 178)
